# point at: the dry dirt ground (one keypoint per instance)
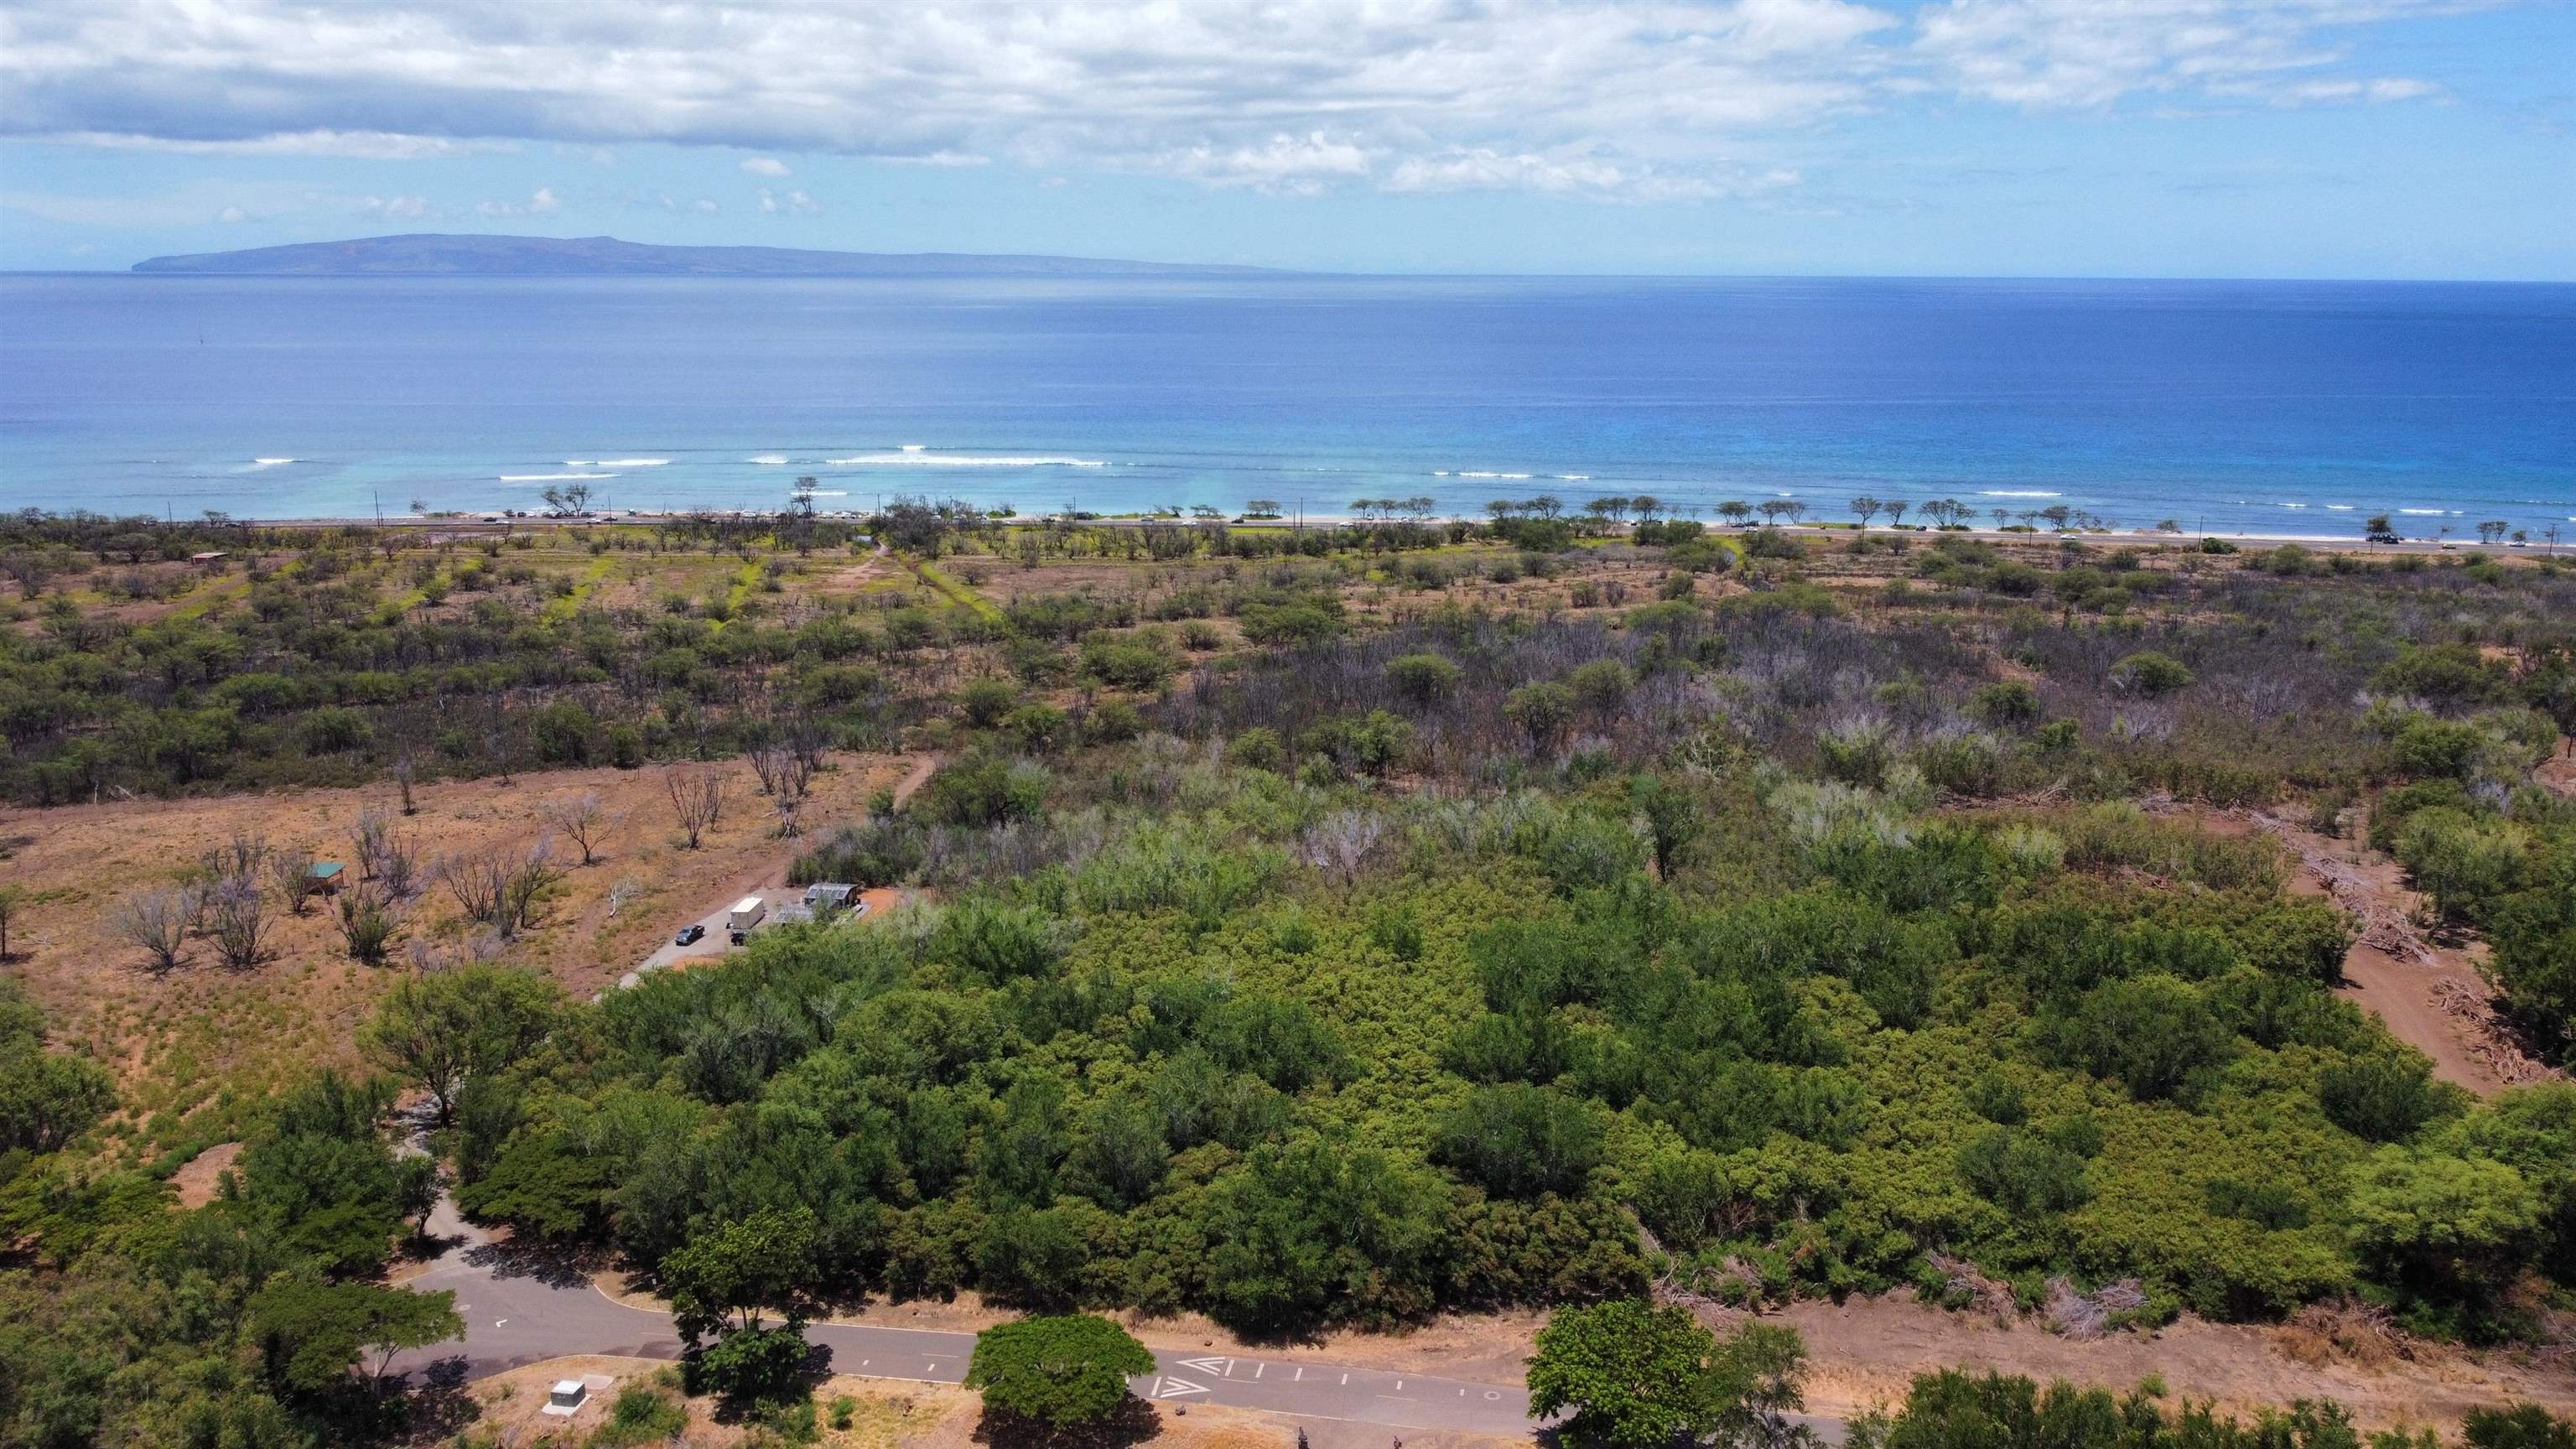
(2398, 984)
(507, 1410)
(180, 1040)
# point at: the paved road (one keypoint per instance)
(516, 1314)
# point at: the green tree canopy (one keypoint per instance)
(1061, 1372)
(441, 1028)
(726, 1277)
(1630, 1373)
(312, 1331)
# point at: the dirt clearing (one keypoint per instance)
(177, 1041)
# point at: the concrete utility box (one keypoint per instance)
(568, 1397)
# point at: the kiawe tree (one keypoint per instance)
(723, 1282)
(441, 1029)
(312, 1331)
(1640, 1377)
(1057, 1373)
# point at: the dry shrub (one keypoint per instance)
(1990, 1296)
(2345, 1330)
(2084, 1317)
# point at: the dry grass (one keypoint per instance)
(192, 1047)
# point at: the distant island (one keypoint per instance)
(432, 254)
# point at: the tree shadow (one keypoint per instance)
(1134, 1422)
(556, 1265)
(440, 1406)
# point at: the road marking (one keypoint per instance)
(1301, 1375)
(1208, 1365)
(497, 1322)
(1257, 1368)
(1176, 1388)
(1346, 1378)
(1399, 1386)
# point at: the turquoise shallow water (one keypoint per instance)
(2241, 407)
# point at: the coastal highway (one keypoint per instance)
(520, 1312)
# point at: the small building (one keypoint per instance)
(827, 896)
(210, 556)
(324, 877)
(791, 914)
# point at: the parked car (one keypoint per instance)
(690, 937)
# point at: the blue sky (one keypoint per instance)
(2352, 138)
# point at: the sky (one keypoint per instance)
(2273, 138)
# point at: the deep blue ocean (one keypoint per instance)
(2286, 408)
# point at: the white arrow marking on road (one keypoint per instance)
(497, 1322)
(1208, 1365)
(1175, 1388)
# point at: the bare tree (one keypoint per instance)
(367, 837)
(245, 854)
(769, 766)
(290, 873)
(697, 797)
(582, 819)
(498, 884)
(156, 922)
(386, 854)
(369, 924)
(405, 771)
(238, 921)
(786, 773)
(1340, 843)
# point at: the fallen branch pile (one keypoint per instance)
(2488, 1038)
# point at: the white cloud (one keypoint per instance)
(1285, 95)
(1587, 176)
(795, 202)
(397, 208)
(1285, 163)
(543, 202)
(357, 145)
(2079, 53)
(232, 214)
(705, 206)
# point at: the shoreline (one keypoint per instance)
(2338, 543)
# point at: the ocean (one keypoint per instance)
(2226, 407)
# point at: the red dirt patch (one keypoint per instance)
(198, 1180)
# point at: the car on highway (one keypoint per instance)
(690, 937)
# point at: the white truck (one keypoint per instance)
(746, 913)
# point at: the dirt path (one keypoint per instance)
(2558, 772)
(2393, 969)
(856, 576)
(1867, 1350)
